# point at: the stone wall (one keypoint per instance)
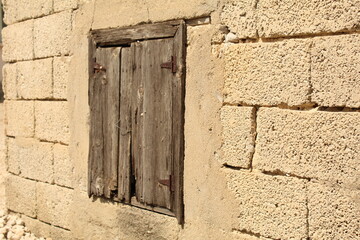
(272, 120)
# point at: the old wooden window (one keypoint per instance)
(136, 98)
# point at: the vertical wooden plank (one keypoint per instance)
(104, 114)
(178, 116)
(137, 125)
(127, 62)
(91, 95)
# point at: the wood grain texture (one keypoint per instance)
(104, 117)
(178, 116)
(127, 62)
(111, 37)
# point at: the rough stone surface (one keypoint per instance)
(52, 121)
(21, 195)
(293, 17)
(51, 35)
(34, 159)
(268, 73)
(54, 204)
(18, 10)
(9, 81)
(19, 118)
(63, 166)
(321, 145)
(335, 71)
(42, 229)
(13, 162)
(61, 77)
(34, 79)
(238, 135)
(61, 5)
(272, 206)
(240, 18)
(106, 220)
(18, 41)
(334, 213)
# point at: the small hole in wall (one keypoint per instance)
(210, 129)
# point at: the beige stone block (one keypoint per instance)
(106, 220)
(321, 145)
(51, 35)
(13, 162)
(61, 77)
(240, 18)
(41, 229)
(334, 213)
(293, 17)
(61, 5)
(34, 79)
(18, 10)
(271, 206)
(335, 70)
(9, 81)
(63, 166)
(268, 73)
(18, 41)
(134, 12)
(238, 135)
(52, 121)
(35, 159)
(19, 118)
(54, 204)
(20, 195)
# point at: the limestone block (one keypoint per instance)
(18, 41)
(321, 145)
(240, 18)
(19, 118)
(335, 70)
(35, 159)
(238, 135)
(18, 10)
(51, 35)
(20, 195)
(52, 121)
(45, 230)
(61, 5)
(61, 77)
(293, 17)
(268, 73)
(334, 213)
(9, 81)
(272, 206)
(54, 204)
(63, 166)
(34, 79)
(13, 162)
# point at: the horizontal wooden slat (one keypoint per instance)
(111, 37)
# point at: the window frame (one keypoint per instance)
(125, 36)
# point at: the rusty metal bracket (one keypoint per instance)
(167, 182)
(98, 68)
(170, 65)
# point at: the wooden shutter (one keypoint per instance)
(137, 116)
(104, 131)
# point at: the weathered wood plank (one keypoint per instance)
(137, 125)
(127, 62)
(178, 106)
(111, 37)
(91, 101)
(104, 113)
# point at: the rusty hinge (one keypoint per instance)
(167, 182)
(98, 68)
(170, 65)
